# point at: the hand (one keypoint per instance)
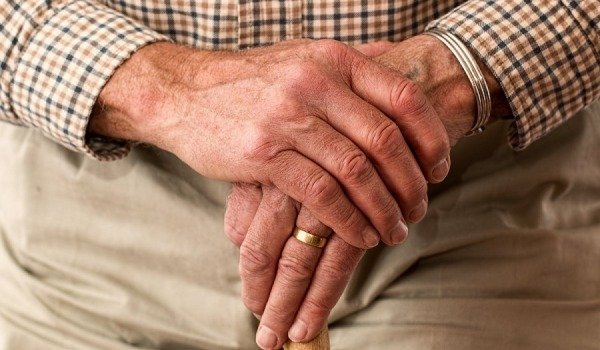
(287, 116)
(330, 274)
(300, 275)
(431, 66)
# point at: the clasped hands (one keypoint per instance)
(404, 144)
(314, 134)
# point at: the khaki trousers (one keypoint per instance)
(131, 254)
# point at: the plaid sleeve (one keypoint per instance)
(544, 53)
(55, 57)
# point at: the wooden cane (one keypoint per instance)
(321, 342)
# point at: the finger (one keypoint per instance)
(242, 202)
(329, 280)
(361, 182)
(260, 251)
(374, 49)
(296, 265)
(316, 189)
(404, 102)
(384, 144)
(396, 96)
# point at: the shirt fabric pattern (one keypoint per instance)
(56, 55)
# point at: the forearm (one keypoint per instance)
(545, 55)
(131, 106)
(55, 58)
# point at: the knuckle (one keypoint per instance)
(407, 96)
(299, 67)
(300, 72)
(340, 55)
(349, 225)
(355, 167)
(284, 103)
(386, 139)
(403, 151)
(254, 261)
(276, 202)
(339, 270)
(253, 304)
(278, 314)
(322, 188)
(304, 77)
(295, 269)
(347, 221)
(352, 220)
(415, 191)
(306, 126)
(330, 46)
(317, 308)
(261, 145)
(243, 190)
(301, 79)
(234, 234)
(236, 193)
(389, 212)
(436, 149)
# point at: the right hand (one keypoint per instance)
(316, 119)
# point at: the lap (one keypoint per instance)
(507, 256)
(131, 253)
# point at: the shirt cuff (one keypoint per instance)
(542, 54)
(64, 65)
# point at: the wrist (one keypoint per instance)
(429, 63)
(132, 104)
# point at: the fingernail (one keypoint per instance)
(400, 233)
(257, 316)
(440, 171)
(266, 338)
(371, 237)
(298, 331)
(417, 213)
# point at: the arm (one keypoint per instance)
(285, 116)
(544, 54)
(530, 78)
(55, 57)
(63, 58)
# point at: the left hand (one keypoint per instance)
(277, 269)
(286, 280)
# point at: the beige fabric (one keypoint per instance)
(131, 253)
(508, 256)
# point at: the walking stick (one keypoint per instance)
(321, 342)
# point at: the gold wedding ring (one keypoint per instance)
(309, 238)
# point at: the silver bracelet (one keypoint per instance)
(469, 65)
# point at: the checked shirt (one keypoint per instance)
(56, 55)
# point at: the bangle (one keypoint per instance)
(478, 83)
